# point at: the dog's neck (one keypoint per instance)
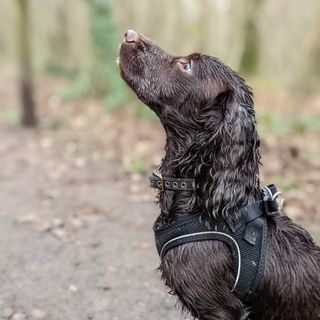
(222, 185)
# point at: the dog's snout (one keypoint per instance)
(131, 36)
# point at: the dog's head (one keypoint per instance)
(205, 107)
(182, 86)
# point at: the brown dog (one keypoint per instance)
(207, 112)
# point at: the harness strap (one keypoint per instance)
(246, 238)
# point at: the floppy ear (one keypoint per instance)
(223, 97)
(229, 167)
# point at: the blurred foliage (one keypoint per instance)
(58, 44)
(286, 184)
(307, 122)
(99, 78)
(78, 89)
(250, 57)
(270, 123)
(105, 81)
(11, 117)
(144, 113)
(137, 165)
(60, 70)
(274, 124)
(78, 40)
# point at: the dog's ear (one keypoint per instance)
(237, 121)
(223, 98)
(232, 156)
(217, 95)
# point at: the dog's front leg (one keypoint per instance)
(201, 275)
(217, 306)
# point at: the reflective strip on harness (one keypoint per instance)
(193, 235)
(246, 237)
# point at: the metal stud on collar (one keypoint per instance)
(171, 183)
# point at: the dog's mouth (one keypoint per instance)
(132, 43)
(133, 57)
(144, 67)
(128, 59)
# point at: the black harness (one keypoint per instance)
(246, 236)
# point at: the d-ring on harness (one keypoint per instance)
(246, 237)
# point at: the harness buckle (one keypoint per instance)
(270, 195)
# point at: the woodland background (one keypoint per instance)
(76, 147)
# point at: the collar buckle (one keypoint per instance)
(160, 183)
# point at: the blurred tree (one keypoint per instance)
(28, 115)
(58, 44)
(204, 22)
(250, 56)
(104, 76)
(308, 76)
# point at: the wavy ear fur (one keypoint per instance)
(227, 176)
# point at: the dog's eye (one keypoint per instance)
(187, 67)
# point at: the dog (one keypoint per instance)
(207, 112)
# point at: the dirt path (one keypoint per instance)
(74, 245)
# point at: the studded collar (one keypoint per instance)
(157, 181)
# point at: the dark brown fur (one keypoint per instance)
(211, 133)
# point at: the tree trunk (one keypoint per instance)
(28, 115)
(251, 55)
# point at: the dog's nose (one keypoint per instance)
(131, 36)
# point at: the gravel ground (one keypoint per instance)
(74, 243)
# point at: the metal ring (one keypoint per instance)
(167, 183)
(175, 184)
(183, 184)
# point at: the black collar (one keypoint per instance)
(157, 181)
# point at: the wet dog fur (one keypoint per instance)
(207, 112)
